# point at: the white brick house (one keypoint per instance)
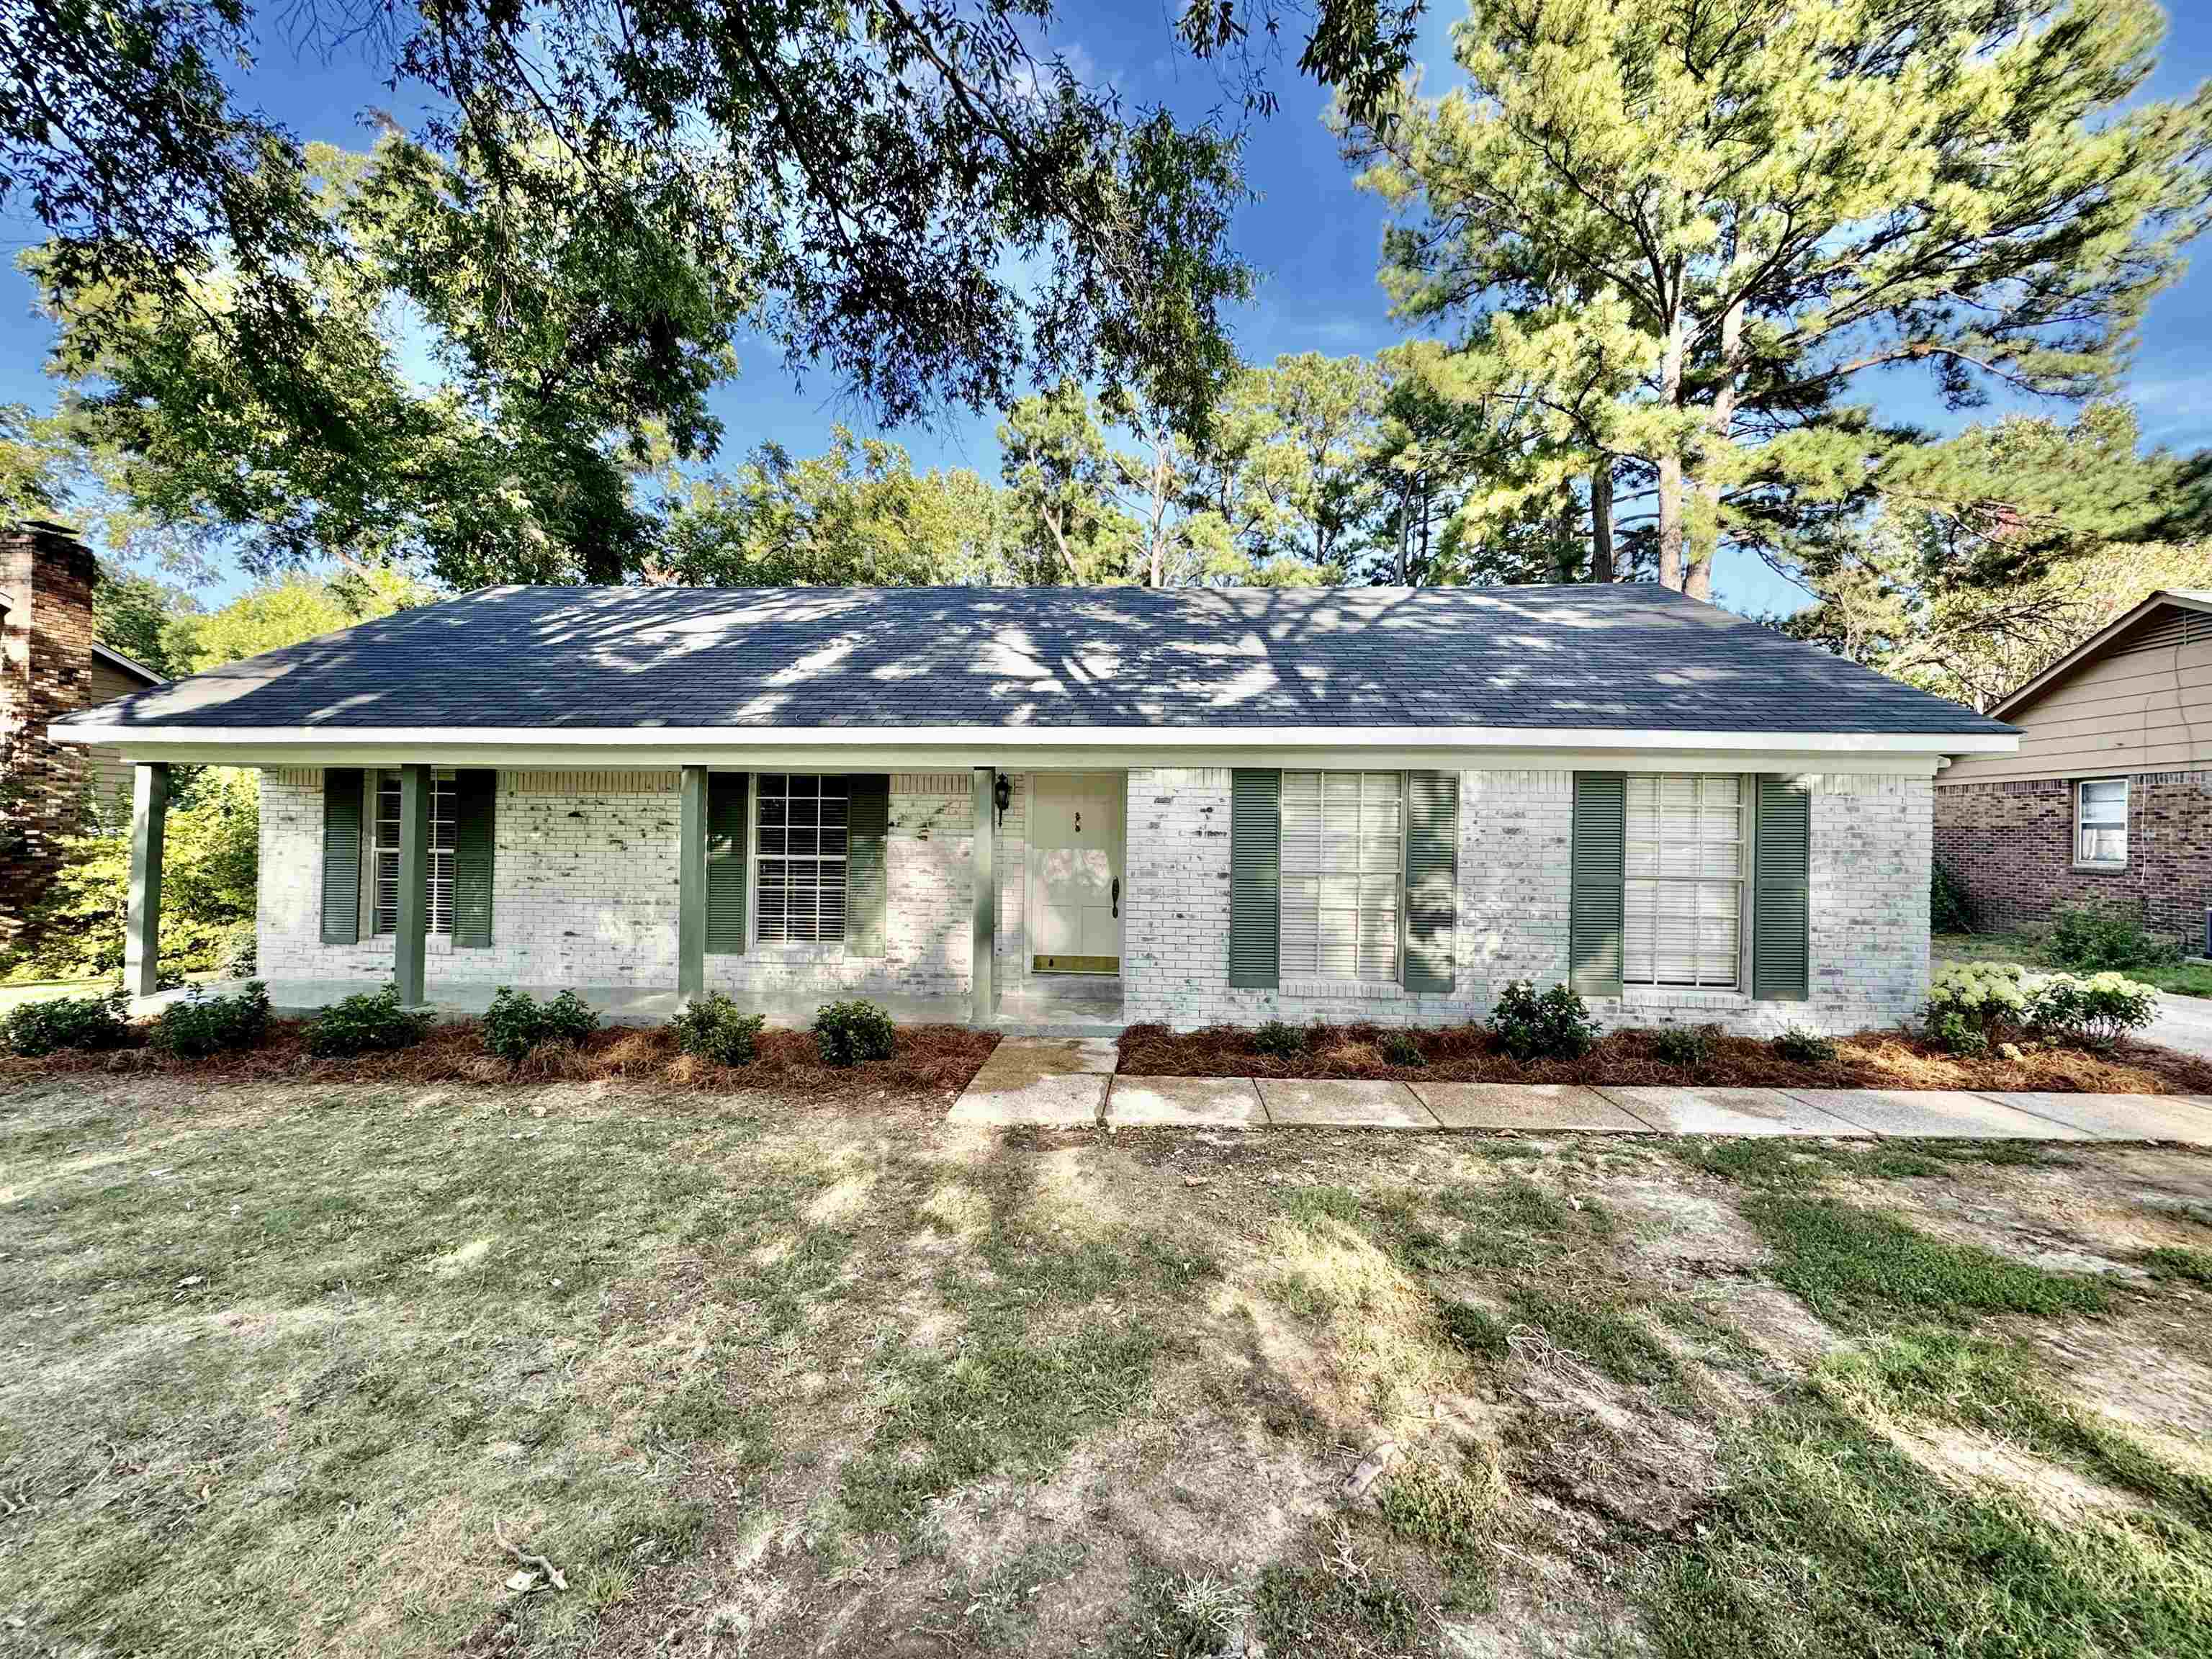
(1194, 806)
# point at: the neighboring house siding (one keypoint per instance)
(2138, 706)
(2010, 845)
(1868, 934)
(106, 773)
(584, 892)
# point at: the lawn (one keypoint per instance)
(2189, 977)
(781, 1374)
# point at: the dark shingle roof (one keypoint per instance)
(1619, 656)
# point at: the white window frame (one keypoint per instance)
(1746, 798)
(1283, 874)
(2127, 794)
(756, 859)
(440, 919)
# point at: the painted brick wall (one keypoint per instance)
(1870, 937)
(2010, 845)
(584, 892)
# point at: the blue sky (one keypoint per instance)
(1313, 236)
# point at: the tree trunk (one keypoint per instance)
(1601, 520)
(1670, 464)
(1698, 575)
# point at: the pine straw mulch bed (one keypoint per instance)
(1468, 1054)
(926, 1060)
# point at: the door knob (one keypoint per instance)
(1117, 899)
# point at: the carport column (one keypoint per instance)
(691, 886)
(413, 921)
(141, 935)
(983, 929)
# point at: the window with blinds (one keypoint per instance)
(386, 847)
(1343, 852)
(799, 848)
(2100, 823)
(1684, 862)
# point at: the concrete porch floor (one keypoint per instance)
(1067, 1007)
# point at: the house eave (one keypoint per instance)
(921, 748)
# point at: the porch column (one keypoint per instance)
(983, 929)
(142, 931)
(412, 922)
(691, 886)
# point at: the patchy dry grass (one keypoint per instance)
(1468, 1054)
(821, 1375)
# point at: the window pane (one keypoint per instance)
(1341, 855)
(384, 848)
(800, 843)
(1683, 853)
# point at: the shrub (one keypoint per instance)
(1279, 1041)
(517, 1022)
(848, 1033)
(713, 1029)
(368, 1021)
(2089, 939)
(2095, 1013)
(1554, 1025)
(202, 1025)
(1802, 1048)
(1690, 1047)
(1948, 911)
(40, 1028)
(1971, 1004)
(1400, 1048)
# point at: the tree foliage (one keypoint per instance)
(1680, 235)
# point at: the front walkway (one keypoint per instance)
(1071, 1084)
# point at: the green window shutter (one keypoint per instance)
(868, 823)
(475, 794)
(729, 796)
(1431, 878)
(342, 789)
(1594, 906)
(1781, 907)
(1255, 880)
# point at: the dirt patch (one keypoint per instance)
(1469, 1054)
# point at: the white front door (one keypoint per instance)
(1075, 873)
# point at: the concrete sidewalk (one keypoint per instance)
(1071, 1084)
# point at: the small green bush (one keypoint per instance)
(2089, 1013)
(517, 1022)
(1948, 911)
(1553, 1025)
(202, 1025)
(849, 1033)
(713, 1029)
(2094, 938)
(368, 1021)
(40, 1028)
(1402, 1048)
(1690, 1047)
(1971, 1005)
(1279, 1041)
(1802, 1048)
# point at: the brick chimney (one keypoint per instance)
(46, 635)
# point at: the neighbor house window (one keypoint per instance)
(384, 847)
(1684, 867)
(800, 844)
(2100, 822)
(1343, 852)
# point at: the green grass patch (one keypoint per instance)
(1852, 1265)
(1445, 1508)
(2175, 1261)
(1473, 1330)
(1601, 1330)
(1828, 1540)
(1334, 1610)
(1993, 1388)
(1761, 1160)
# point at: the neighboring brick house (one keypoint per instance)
(52, 664)
(2110, 794)
(1190, 806)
